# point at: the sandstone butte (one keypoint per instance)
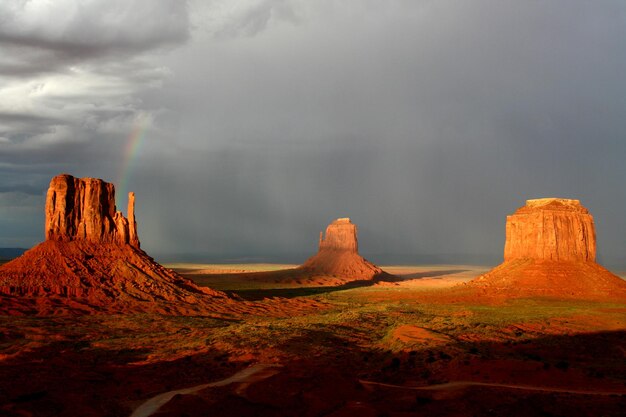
(91, 261)
(550, 251)
(338, 255)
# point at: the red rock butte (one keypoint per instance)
(91, 261)
(550, 251)
(84, 209)
(553, 229)
(338, 254)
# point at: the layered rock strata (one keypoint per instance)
(341, 235)
(84, 209)
(550, 251)
(552, 229)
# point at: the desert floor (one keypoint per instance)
(378, 350)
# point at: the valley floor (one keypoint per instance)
(377, 350)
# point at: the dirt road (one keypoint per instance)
(455, 385)
(249, 375)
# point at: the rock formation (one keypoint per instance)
(91, 260)
(340, 236)
(338, 254)
(552, 229)
(550, 250)
(84, 209)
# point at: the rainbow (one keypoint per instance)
(131, 150)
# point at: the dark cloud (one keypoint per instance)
(17, 126)
(70, 71)
(427, 122)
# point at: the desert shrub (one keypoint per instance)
(395, 363)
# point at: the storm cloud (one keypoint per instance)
(427, 122)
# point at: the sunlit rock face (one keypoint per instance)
(550, 251)
(84, 209)
(554, 229)
(91, 262)
(338, 254)
(341, 234)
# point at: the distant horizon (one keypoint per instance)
(487, 260)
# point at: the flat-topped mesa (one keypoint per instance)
(84, 209)
(341, 234)
(550, 251)
(552, 229)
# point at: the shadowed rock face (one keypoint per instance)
(550, 251)
(551, 229)
(84, 209)
(338, 254)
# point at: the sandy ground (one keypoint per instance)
(200, 268)
(241, 276)
(435, 276)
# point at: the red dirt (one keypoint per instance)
(522, 278)
(94, 278)
(413, 334)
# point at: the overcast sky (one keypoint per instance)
(425, 121)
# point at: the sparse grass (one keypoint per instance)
(352, 316)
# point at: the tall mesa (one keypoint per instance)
(552, 229)
(84, 209)
(550, 251)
